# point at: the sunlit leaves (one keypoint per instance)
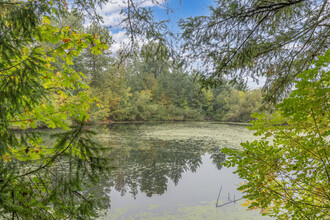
(288, 177)
(60, 103)
(39, 87)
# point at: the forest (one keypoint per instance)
(142, 88)
(64, 85)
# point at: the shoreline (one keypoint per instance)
(108, 122)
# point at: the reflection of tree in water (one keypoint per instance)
(217, 156)
(149, 164)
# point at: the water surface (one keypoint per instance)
(173, 171)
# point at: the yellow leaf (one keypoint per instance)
(247, 203)
(7, 157)
(45, 20)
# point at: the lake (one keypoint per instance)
(172, 171)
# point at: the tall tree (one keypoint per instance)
(258, 38)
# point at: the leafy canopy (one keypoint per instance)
(289, 175)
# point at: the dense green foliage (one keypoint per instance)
(145, 89)
(41, 176)
(288, 176)
(50, 73)
(42, 60)
(136, 92)
(252, 38)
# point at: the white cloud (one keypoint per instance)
(119, 38)
(252, 84)
(113, 6)
(111, 10)
(112, 17)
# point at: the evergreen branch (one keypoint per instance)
(48, 213)
(257, 10)
(43, 183)
(283, 81)
(269, 8)
(35, 186)
(241, 45)
(56, 155)
(23, 61)
(82, 196)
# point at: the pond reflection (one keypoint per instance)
(147, 167)
(158, 175)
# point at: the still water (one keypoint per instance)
(172, 171)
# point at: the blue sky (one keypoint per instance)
(191, 8)
(187, 8)
(184, 9)
(181, 9)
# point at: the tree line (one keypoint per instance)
(143, 89)
(150, 85)
(146, 90)
(50, 72)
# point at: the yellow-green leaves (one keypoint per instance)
(40, 87)
(45, 20)
(61, 103)
(289, 177)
